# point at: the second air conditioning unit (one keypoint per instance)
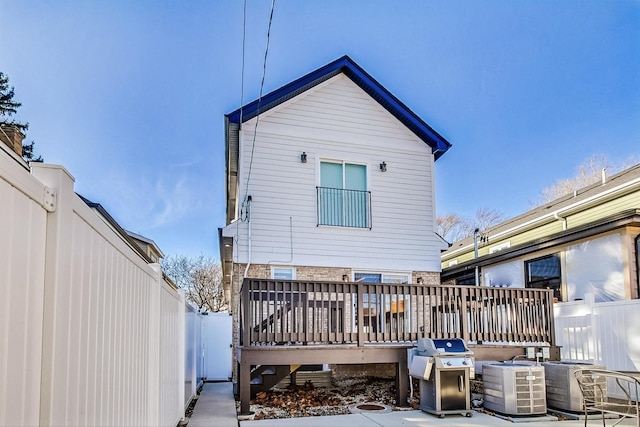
(563, 391)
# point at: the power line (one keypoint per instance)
(264, 72)
(244, 36)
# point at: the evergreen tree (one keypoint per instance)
(9, 107)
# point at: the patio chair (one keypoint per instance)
(609, 392)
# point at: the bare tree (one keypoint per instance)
(453, 227)
(588, 172)
(448, 225)
(487, 217)
(200, 277)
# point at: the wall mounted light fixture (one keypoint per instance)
(345, 278)
(303, 157)
(420, 280)
(383, 166)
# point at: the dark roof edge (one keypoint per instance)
(123, 233)
(346, 65)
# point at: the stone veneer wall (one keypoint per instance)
(333, 274)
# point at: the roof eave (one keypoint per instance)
(366, 82)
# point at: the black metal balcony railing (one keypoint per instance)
(289, 312)
(344, 208)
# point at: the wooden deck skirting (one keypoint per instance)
(296, 322)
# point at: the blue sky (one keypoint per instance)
(130, 95)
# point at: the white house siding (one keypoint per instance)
(336, 120)
(619, 204)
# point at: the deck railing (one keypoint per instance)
(297, 312)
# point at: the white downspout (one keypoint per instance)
(561, 218)
(246, 270)
(475, 254)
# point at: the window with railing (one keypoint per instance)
(343, 199)
(344, 208)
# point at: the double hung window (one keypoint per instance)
(343, 199)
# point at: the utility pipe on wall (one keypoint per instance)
(475, 253)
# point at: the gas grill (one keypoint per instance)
(444, 367)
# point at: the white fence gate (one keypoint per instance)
(216, 341)
(604, 333)
(90, 334)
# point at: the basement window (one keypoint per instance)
(283, 273)
(381, 277)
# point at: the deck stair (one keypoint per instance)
(264, 377)
(280, 312)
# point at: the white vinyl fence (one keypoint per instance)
(606, 333)
(90, 334)
(194, 363)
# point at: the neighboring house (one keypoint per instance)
(584, 243)
(11, 136)
(147, 245)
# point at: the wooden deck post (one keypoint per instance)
(402, 381)
(244, 387)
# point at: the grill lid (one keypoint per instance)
(439, 347)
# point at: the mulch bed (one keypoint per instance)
(307, 401)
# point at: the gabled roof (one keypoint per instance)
(345, 65)
(145, 240)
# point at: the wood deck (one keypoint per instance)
(295, 322)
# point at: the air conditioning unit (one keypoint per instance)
(563, 391)
(514, 388)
